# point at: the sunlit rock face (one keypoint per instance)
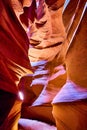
(74, 49)
(46, 38)
(47, 32)
(75, 54)
(76, 57)
(72, 98)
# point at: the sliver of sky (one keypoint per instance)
(65, 5)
